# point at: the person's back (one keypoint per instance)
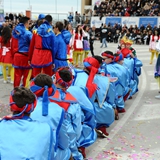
(63, 79)
(42, 49)
(62, 38)
(129, 64)
(6, 54)
(20, 44)
(52, 114)
(84, 79)
(109, 69)
(20, 136)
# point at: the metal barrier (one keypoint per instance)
(56, 16)
(61, 17)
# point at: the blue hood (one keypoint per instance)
(66, 35)
(20, 28)
(45, 29)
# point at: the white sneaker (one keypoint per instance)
(11, 82)
(157, 97)
(4, 81)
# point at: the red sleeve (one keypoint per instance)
(14, 46)
(31, 48)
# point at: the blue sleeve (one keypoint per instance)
(54, 47)
(74, 112)
(30, 36)
(74, 128)
(63, 139)
(111, 95)
(102, 70)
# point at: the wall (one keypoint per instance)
(95, 21)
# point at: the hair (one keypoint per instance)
(84, 28)
(23, 96)
(109, 52)
(77, 30)
(65, 74)
(24, 20)
(39, 22)
(6, 35)
(98, 58)
(116, 54)
(48, 18)
(153, 34)
(67, 28)
(65, 23)
(59, 25)
(43, 80)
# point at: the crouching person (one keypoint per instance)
(63, 79)
(103, 105)
(20, 136)
(42, 86)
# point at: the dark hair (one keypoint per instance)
(59, 25)
(6, 35)
(43, 80)
(48, 18)
(98, 58)
(23, 96)
(109, 52)
(84, 28)
(116, 55)
(65, 74)
(77, 30)
(24, 20)
(39, 22)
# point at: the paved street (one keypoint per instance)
(136, 136)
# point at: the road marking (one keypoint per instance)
(124, 119)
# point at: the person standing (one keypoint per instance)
(41, 19)
(69, 49)
(104, 33)
(43, 48)
(157, 68)
(62, 38)
(77, 45)
(5, 54)
(86, 37)
(70, 18)
(92, 38)
(152, 45)
(21, 42)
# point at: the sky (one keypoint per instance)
(42, 6)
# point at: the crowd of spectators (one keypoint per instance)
(12, 20)
(127, 8)
(139, 35)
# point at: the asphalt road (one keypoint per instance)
(136, 135)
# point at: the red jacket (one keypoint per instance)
(6, 52)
